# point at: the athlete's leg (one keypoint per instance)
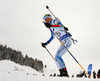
(58, 57)
(60, 52)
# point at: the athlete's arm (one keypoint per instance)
(51, 38)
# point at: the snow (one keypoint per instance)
(10, 71)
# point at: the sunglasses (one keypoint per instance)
(45, 17)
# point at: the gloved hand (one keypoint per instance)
(44, 44)
(47, 25)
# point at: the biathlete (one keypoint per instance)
(57, 29)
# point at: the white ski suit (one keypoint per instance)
(60, 33)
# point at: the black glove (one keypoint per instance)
(66, 28)
(44, 44)
(47, 25)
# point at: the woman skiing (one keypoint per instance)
(57, 29)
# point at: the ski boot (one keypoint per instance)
(63, 73)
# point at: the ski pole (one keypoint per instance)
(71, 55)
(51, 55)
(52, 13)
(49, 52)
(66, 47)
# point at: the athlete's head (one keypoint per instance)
(47, 18)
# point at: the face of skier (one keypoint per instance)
(47, 20)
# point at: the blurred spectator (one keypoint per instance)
(94, 74)
(98, 74)
(81, 74)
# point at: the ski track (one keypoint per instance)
(10, 71)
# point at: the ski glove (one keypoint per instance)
(47, 25)
(44, 44)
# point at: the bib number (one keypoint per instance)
(58, 34)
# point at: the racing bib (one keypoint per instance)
(59, 32)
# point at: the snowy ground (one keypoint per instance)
(10, 71)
